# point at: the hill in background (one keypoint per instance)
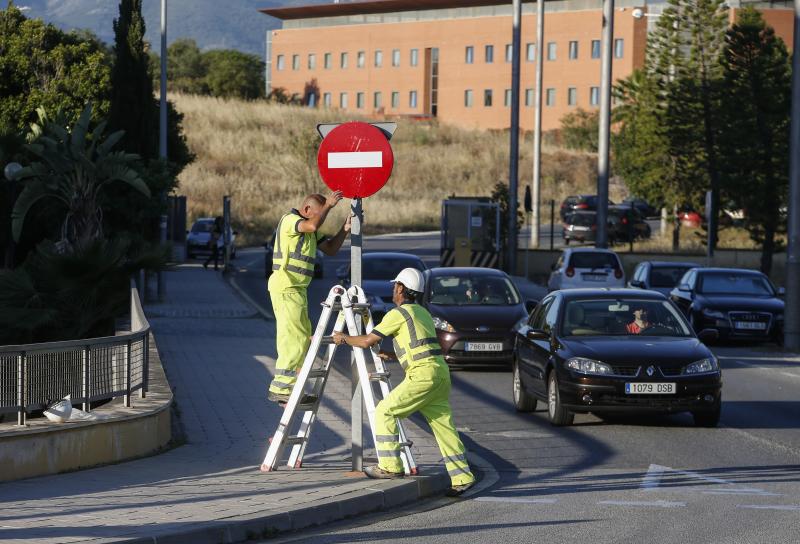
(233, 24)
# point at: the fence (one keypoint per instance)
(88, 370)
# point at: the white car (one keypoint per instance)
(586, 267)
(198, 238)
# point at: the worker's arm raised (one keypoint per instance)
(314, 223)
(331, 246)
(363, 341)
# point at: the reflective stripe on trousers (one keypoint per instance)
(293, 332)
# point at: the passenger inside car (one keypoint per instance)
(639, 322)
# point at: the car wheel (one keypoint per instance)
(523, 401)
(559, 416)
(709, 418)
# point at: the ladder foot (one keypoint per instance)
(266, 468)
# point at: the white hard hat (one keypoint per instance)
(412, 279)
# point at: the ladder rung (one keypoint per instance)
(359, 307)
(326, 340)
(306, 407)
(318, 373)
(379, 376)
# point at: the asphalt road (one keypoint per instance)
(656, 479)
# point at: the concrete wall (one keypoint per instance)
(124, 433)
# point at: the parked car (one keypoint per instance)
(641, 206)
(577, 354)
(586, 267)
(625, 223)
(197, 239)
(577, 203)
(377, 272)
(269, 248)
(475, 311)
(738, 303)
(580, 227)
(661, 276)
(689, 218)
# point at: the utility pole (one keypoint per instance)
(162, 138)
(513, 169)
(792, 312)
(605, 125)
(537, 125)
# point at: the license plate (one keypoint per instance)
(650, 388)
(595, 277)
(484, 346)
(750, 325)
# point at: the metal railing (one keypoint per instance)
(88, 370)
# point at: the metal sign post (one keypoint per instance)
(226, 232)
(357, 405)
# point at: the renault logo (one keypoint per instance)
(651, 370)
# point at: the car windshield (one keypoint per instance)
(623, 317)
(667, 276)
(387, 269)
(202, 226)
(473, 290)
(581, 219)
(727, 283)
(588, 259)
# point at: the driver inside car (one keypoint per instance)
(639, 322)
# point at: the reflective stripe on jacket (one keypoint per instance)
(413, 335)
(293, 255)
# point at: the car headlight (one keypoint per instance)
(588, 366)
(713, 314)
(443, 325)
(703, 366)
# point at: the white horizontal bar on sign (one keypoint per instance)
(356, 159)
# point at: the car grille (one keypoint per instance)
(670, 371)
(752, 317)
(654, 401)
(626, 370)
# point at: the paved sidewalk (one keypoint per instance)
(219, 358)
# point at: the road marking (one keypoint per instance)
(520, 434)
(757, 492)
(659, 504)
(356, 159)
(764, 441)
(655, 473)
(653, 477)
(788, 507)
(520, 500)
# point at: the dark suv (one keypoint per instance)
(579, 203)
(625, 224)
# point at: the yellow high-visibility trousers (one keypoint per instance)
(426, 389)
(293, 337)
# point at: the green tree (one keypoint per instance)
(755, 139)
(580, 130)
(42, 66)
(233, 74)
(186, 67)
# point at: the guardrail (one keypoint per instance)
(88, 370)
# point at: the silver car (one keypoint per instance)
(198, 237)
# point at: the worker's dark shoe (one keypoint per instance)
(282, 398)
(457, 490)
(378, 473)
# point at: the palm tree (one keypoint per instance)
(74, 166)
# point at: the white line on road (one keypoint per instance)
(356, 159)
(521, 500)
(788, 507)
(755, 492)
(659, 504)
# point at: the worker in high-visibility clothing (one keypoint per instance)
(297, 238)
(426, 387)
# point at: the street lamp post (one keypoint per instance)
(605, 125)
(792, 317)
(10, 171)
(537, 124)
(513, 171)
(162, 137)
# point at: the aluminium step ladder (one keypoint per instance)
(346, 304)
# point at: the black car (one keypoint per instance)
(581, 350)
(738, 303)
(475, 311)
(661, 276)
(576, 203)
(625, 224)
(641, 206)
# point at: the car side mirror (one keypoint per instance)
(553, 266)
(708, 335)
(684, 287)
(637, 283)
(530, 305)
(781, 291)
(537, 334)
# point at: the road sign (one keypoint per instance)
(355, 158)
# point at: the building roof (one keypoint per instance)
(371, 6)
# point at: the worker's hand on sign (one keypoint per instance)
(333, 199)
(338, 338)
(348, 223)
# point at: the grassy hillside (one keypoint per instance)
(264, 156)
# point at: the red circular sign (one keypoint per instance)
(355, 158)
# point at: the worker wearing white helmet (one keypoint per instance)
(426, 388)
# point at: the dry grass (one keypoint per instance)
(264, 156)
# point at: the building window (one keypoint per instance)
(573, 50)
(295, 62)
(509, 52)
(468, 98)
(361, 59)
(312, 61)
(395, 57)
(551, 51)
(378, 58)
(326, 99)
(469, 54)
(343, 100)
(343, 60)
(377, 100)
(530, 52)
(412, 99)
(281, 62)
(328, 61)
(594, 96)
(572, 96)
(595, 49)
(489, 51)
(528, 97)
(414, 60)
(550, 97)
(619, 48)
(487, 98)
(507, 98)
(360, 101)
(395, 100)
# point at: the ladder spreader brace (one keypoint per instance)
(346, 303)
